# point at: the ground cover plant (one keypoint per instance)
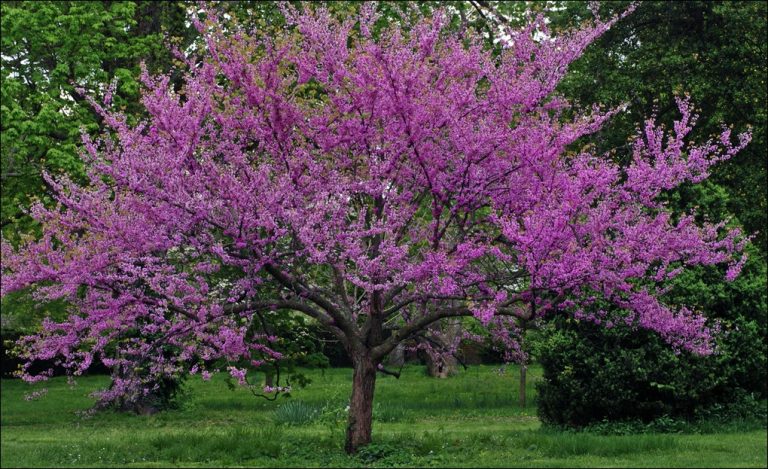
(378, 185)
(471, 419)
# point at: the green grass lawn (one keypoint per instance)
(469, 420)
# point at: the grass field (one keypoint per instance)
(469, 420)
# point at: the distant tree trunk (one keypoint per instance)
(443, 365)
(523, 363)
(360, 419)
(396, 357)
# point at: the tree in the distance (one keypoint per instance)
(377, 186)
(50, 48)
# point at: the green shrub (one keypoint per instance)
(593, 375)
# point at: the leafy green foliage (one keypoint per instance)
(593, 375)
(715, 51)
(49, 48)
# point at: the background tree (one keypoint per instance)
(49, 49)
(716, 51)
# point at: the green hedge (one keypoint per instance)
(592, 374)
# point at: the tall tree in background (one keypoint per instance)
(715, 51)
(49, 49)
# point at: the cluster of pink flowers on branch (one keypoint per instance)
(377, 186)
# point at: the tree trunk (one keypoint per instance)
(441, 366)
(360, 418)
(396, 357)
(444, 336)
(524, 361)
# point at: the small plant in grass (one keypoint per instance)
(384, 454)
(334, 415)
(386, 413)
(296, 413)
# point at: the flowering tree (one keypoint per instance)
(376, 185)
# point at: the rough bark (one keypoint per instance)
(524, 362)
(441, 366)
(360, 419)
(443, 335)
(396, 357)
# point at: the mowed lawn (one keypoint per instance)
(472, 419)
